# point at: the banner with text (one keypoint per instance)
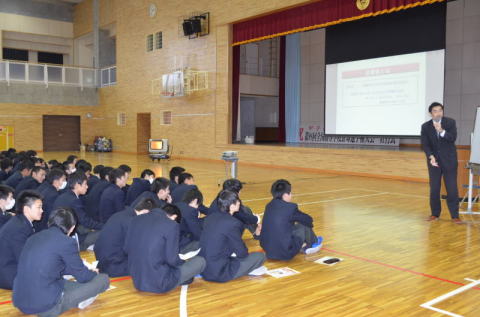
(314, 134)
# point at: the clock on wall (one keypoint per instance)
(152, 10)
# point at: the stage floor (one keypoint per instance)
(393, 260)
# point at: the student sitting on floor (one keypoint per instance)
(39, 287)
(222, 245)
(152, 245)
(6, 203)
(94, 178)
(69, 167)
(87, 228)
(286, 230)
(55, 182)
(174, 174)
(6, 166)
(245, 214)
(92, 200)
(24, 169)
(127, 170)
(85, 167)
(112, 260)
(139, 185)
(15, 233)
(32, 182)
(191, 225)
(113, 197)
(185, 183)
(160, 193)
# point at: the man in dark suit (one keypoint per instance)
(15, 233)
(112, 260)
(87, 229)
(222, 245)
(39, 287)
(152, 245)
(113, 197)
(55, 181)
(438, 142)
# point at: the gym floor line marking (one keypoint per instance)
(395, 267)
(395, 193)
(183, 301)
(344, 198)
(429, 304)
(296, 195)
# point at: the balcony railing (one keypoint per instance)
(19, 72)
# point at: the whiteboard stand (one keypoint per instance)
(474, 169)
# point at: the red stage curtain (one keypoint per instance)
(313, 16)
(235, 90)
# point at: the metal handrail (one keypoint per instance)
(15, 71)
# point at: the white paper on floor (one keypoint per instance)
(282, 272)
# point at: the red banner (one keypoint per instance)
(316, 15)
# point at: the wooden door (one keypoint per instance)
(143, 132)
(61, 133)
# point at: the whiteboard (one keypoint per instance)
(475, 144)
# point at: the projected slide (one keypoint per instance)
(383, 96)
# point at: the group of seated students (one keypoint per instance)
(156, 230)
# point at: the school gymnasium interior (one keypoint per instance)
(328, 94)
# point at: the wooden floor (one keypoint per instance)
(394, 260)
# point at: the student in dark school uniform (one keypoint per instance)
(94, 178)
(6, 203)
(39, 287)
(174, 174)
(6, 167)
(72, 159)
(24, 169)
(15, 233)
(222, 245)
(286, 230)
(245, 214)
(32, 182)
(92, 200)
(55, 182)
(113, 197)
(191, 225)
(109, 252)
(87, 229)
(160, 193)
(127, 170)
(69, 167)
(185, 183)
(139, 185)
(84, 167)
(152, 245)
